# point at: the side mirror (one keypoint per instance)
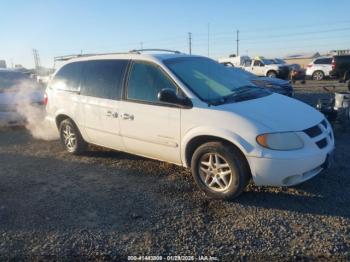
(169, 96)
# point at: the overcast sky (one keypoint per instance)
(268, 28)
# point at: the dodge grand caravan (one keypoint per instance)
(190, 111)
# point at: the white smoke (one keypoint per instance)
(29, 103)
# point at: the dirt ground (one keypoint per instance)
(111, 205)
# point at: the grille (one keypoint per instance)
(322, 143)
(321, 134)
(313, 131)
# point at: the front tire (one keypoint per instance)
(272, 74)
(318, 75)
(219, 170)
(71, 138)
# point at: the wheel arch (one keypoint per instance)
(271, 70)
(192, 141)
(318, 70)
(60, 117)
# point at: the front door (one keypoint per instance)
(149, 127)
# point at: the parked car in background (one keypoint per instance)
(275, 85)
(16, 90)
(190, 111)
(319, 68)
(341, 67)
(259, 66)
(295, 70)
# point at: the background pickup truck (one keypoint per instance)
(259, 66)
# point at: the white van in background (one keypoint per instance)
(190, 111)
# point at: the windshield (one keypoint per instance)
(11, 79)
(267, 61)
(280, 61)
(211, 81)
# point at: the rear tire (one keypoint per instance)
(71, 138)
(220, 170)
(318, 75)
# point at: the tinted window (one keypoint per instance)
(146, 81)
(257, 63)
(103, 78)
(10, 79)
(68, 77)
(323, 61)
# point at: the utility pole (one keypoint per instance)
(208, 37)
(237, 40)
(36, 59)
(141, 45)
(190, 43)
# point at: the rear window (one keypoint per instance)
(68, 77)
(11, 79)
(103, 78)
(323, 61)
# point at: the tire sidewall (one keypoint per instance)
(63, 124)
(314, 74)
(236, 186)
(272, 74)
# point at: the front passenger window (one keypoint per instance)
(145, 82)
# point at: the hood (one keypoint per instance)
(276, 112)
(272, 80)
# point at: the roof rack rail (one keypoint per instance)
(138, 51)
(68, 57)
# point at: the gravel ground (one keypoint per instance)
(110, 205)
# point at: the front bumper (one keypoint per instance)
(287, 172)
(287, 168)
(11, 119)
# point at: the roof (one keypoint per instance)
(157, 55)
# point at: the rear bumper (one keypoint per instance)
(11, 119)
(288, 172)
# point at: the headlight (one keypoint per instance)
(280, 141)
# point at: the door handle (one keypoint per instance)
(127, 116)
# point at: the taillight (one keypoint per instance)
(309, 65)
(46, 99)
(333, 63)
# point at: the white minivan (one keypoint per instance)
(190, 111)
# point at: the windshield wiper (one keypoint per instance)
(237, 94)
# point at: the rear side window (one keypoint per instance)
(103, 78)
(68, 77)
(323, 61)
(145, 82)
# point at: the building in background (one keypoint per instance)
(3, 64)
(339, 52)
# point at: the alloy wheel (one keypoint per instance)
(69, 137)
(215, 172)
